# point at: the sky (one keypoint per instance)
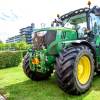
(17, 14)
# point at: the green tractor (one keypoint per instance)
(71, 48)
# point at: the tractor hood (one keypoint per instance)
(48, 38)
(53, 28)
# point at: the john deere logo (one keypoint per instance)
(2, 97)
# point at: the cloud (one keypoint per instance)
(8, 15)
(16, 14)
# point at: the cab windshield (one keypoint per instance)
(77, 22)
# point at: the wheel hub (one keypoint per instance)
(83, 70)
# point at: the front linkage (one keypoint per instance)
(39, 60)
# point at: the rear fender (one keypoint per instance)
(83, 42)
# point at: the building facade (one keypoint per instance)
(14, 39)
(25, 35)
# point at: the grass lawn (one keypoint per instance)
(16, 86)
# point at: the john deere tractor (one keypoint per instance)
(71, 47)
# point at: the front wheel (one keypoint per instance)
(75, 69)
(34, 75)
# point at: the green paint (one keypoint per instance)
(47, 56)
(81, 19)
(98, 48)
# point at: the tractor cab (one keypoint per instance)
(85, 21)
(76, 20)
(78, 23)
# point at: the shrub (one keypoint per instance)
(9, 59)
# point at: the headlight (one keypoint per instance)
(33, 35)
(42, 33)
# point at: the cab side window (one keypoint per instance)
(95, 23)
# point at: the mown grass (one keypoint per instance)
(16, 86)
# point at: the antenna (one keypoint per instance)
(58, 15)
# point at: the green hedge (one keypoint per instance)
(10, 59)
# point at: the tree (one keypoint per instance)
(7, 46)
(14, 46)
(22, 45)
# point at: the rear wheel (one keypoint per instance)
(34, 75)
(75, 69)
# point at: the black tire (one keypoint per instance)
(66, 65)
(33, 75)
(97, 69)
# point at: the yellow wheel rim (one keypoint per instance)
(84, 70)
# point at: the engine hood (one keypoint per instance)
(54, 28)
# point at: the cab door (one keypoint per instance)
(98, 48)
(95, 27)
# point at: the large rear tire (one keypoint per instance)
(34, 75)
(75, 69)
